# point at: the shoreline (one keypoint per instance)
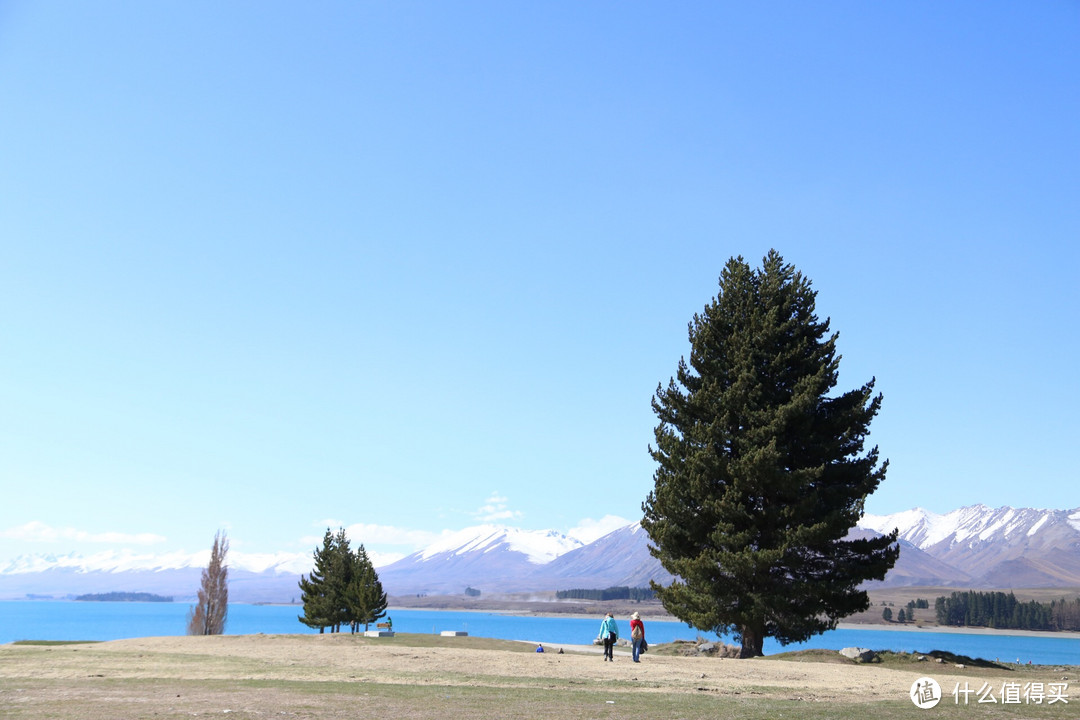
(662, 616)
(952, 630)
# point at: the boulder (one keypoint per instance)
(859, 654)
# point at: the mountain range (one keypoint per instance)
(975, 547)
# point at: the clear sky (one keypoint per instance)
(408, 267)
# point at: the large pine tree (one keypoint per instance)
(761, 470)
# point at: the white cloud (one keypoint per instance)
(588, 530)
(36, 531)
(381, 559)
(495, 509)
(370, 534)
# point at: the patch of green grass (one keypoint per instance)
(438, 641)
(109, 698)
(412, 640)
(813, 655)
(106, 698)
(947, 660)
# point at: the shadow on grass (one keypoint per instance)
(949, 657)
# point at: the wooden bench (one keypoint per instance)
(382, 626)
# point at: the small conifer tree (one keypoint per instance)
(317, 590)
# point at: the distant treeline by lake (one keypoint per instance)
(1005, 612)
(611, 593)
(125, 597)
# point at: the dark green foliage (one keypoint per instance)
(365, 601)
(886, 614)
(317, 590)
(761, 471)
(1005, 612)
(342, 588)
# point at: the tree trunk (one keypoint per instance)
(753, 641)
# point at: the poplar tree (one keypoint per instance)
(761, 469)
(208, 615)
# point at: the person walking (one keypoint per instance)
(609, 633)
(637, 635)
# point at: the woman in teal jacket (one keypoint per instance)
(609, 633)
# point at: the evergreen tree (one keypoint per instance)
(761, 473)
(365, 600)
(343, 587)
(317, 590)
(886, 614)
(208, 615)
(341, 577)
(941, 611)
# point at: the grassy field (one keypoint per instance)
(421, 676)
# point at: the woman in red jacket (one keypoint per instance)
(637, 635)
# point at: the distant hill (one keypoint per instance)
(124, 597)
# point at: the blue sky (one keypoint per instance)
(409, 267)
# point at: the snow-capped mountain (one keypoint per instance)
(538, 546)
(974, 547)
(125, 561)
(620, 558)
(972, 525)
(992, 547)
(482, 556)
(252, 577)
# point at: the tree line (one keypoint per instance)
(611, 593)
(998, 610)
(124, 597)
(343, 587)
(909, 615)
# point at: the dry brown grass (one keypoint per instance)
(413, 676)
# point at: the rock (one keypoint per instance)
(706, 648)
(859, 654)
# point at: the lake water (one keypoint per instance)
(59, 620)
